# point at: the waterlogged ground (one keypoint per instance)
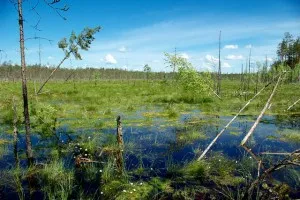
(165, 131)
(156, 143)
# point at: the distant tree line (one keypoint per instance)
(288, 52)
(11, 72)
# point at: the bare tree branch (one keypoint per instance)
(290, 107)
(57, 9)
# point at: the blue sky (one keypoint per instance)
(136, 33)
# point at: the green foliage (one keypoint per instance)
(175, 62)
(76, 42)
(191, 82)
(289, 51)
(194, 83)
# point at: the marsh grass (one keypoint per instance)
(89, 106)
(57, 180)
(290, 136)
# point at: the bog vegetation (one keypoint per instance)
(115, 134)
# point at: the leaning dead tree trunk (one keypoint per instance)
(119, 154)
(227, 125)
(72, 46)
(246, 138)
(291, 106)
(261, 114)
(49, 77)
(24, 86)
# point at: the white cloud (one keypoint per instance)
(50, 57)
(269, 59)
(184, 55)
(123, 49)
(109, 59)
(226, 65)
(234, 57)
(210, 60)
(231, 46)
(248, 46)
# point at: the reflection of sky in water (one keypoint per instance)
(156, 145)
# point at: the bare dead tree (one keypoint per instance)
(24, 86)
(119, 154)
(219, 70)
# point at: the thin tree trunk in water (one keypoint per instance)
(61, 62)
(24, 86)
(119, 156)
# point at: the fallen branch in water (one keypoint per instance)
(292, 159)
(227, 125)
(277, 154)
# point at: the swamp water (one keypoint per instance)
(153, 149)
